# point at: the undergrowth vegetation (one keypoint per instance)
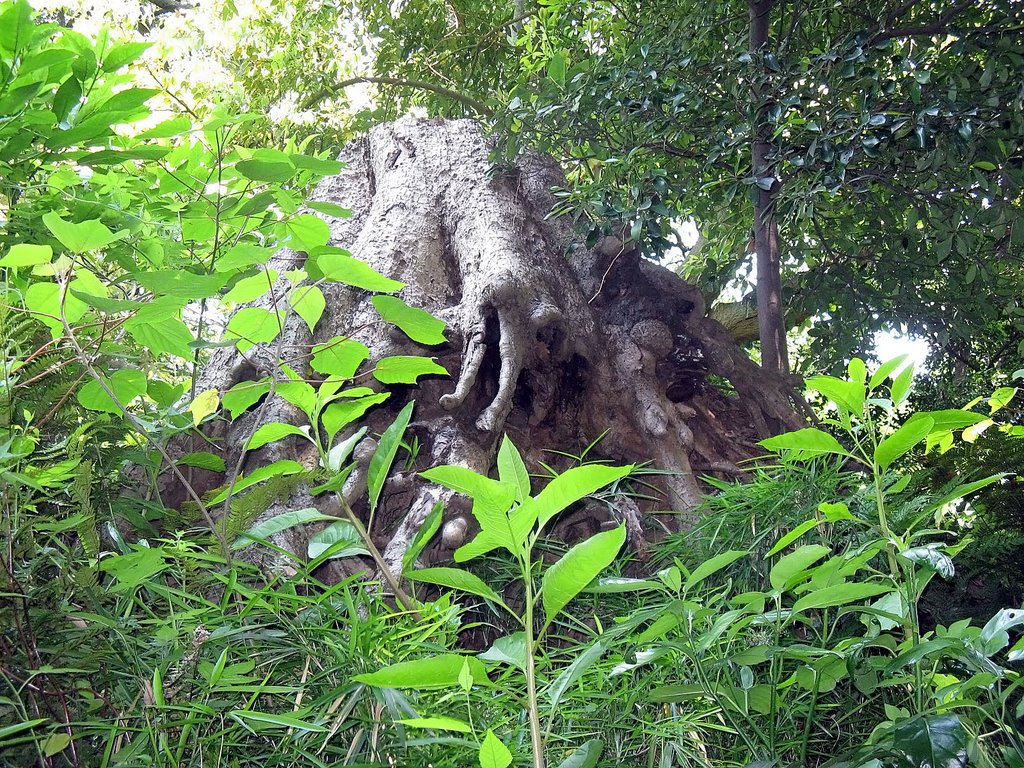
(791, 626)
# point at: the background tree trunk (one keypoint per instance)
(549, 342)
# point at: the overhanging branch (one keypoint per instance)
(422, 85)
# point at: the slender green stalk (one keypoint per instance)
(536, 736)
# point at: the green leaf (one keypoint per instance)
(901, 385)
(27, 255)
(168, 336)
(418, 325)
(123, 55)
(9, 730)
(203, 460)
(796, 564)
(181, 283)
(338, 414)
(432, 672)
(571, 486)
(932, 741)
(275, 171)
(340, 539)
(994, 635)
(793, 535)
(126, 385)
(805, 443)
(885, 369)
(848, 395)
(309, 304)
(339, 454)
(257, 721)
(250, 288)
(585, 756)
(556, 68)
(574, 672)
(15, 25)
(268, 433)
(902, 440)
(329, 209)
(67, 99)
(278, 523)
(253, 325)
(423, 536)
(494, 754)
(437, 723)
(840, 594)
(242, 256)
(384, 456)
(405, 369)
(507, 649)
(339, 357)
(512, 470)
(243, 396)
(278, 468)
(577, 568)
(133, 568)
(55, 744)
(321, 166)
(89, 235)
(456, 578)
(306, 232)
(713, 565)
(339, 266)
(204, 404)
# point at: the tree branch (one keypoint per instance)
(422, 85)
(924, 30)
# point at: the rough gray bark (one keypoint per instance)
(550, 342)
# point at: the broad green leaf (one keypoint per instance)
(15, 25)
(278, 468)
(994, 635)
(67, 99)
(437, 723)
(932, 741)
(321, 166)
(133, 568)
(507, 649)
(266, 170)
(243, 396)
(250, 288)
(574, 672)
(577, 568)
(806, 443)
(901, 385)
(405, 369)
(338, 414)
(90, 235)
(339, 454)
(268, 433)
(43, 301)
(126, 385)
(556, 68)
(124, 54)
(55, 744)
(306, 232)
(27, 255)
(932, 557)
(339, 266)
(512, 470)
(848, 395)
(456, 578)
(902, 440)
(329, 209)
(167, 336)
(263, 720)
(278, 523)
(793, 535)
(585, 756)
(1000, 398)
(253, 325)
(384, 456)
(423, 536)
(309, 304)
(965, 489)
(571, 486)
(181, 283)
(204, 404)
(885, 369)
(203, 460)
(840, 594)
(340, 539)
(491, 498)
(494, 754)
(340, 357)
(432, 672)
(795, 564)
(242, 256)
(713, 565)
(297, 392)
(417, 324)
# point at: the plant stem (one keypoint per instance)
(536, 737)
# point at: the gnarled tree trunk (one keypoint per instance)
(549, 342)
